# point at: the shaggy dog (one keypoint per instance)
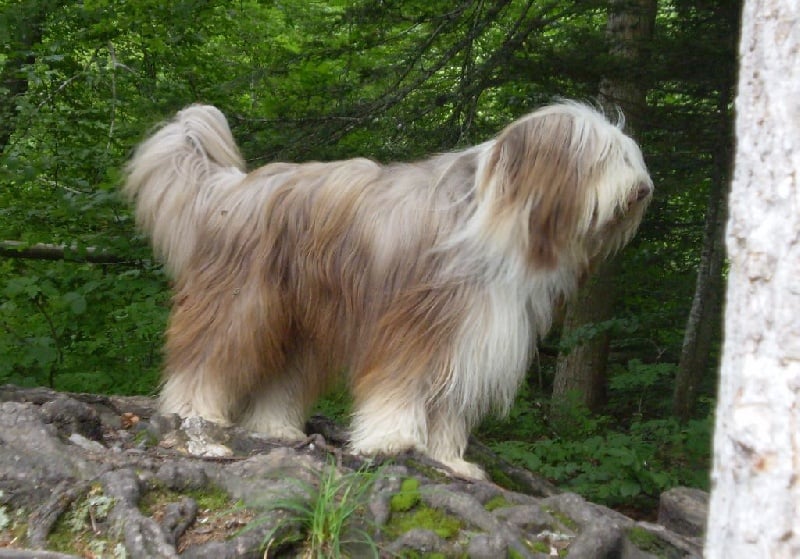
(427, 284)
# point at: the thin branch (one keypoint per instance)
(71, 253)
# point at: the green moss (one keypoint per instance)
(211, 498)
(61, 538)
(495, 503)
(539, 547)
(408, 496)
(433, 474)
(641, 538)
(156, 498)
(80, 530)
(503, 480)
(514, 554)
(565, 520)
(651, 543)
(426, 518)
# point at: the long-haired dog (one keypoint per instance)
(427, 284)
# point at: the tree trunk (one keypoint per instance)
(755, 503)
(581, 370)
(704, 316)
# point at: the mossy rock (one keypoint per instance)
(647, 541)
(427, 518)
(210, 498)
(498, 502)
(80, 529)
(408, 496)
(563, 519)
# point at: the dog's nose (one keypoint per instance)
(645, 190)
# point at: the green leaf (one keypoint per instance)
(629, 488)
(75, 301)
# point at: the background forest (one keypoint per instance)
(618, 404)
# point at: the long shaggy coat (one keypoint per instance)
(426, 284)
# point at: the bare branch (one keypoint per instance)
(72, 253)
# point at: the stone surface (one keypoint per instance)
(131, 482)
(684, 510)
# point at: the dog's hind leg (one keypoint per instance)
(222, 344)
(279, 405)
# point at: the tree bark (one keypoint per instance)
(581, 371)
(755, 503)
(704, 315)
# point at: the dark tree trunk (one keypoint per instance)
(581, 371)
(705, 315)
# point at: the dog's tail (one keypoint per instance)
(178, 176)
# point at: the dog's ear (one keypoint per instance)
(537, 166)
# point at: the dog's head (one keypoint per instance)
(572, 181)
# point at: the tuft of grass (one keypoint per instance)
(326, 512)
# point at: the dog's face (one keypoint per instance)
(577, 182)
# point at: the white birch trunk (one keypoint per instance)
(755, 501)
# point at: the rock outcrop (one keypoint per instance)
(102, 476)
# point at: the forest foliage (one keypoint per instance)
(82, 82)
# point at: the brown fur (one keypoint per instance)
(426, 282)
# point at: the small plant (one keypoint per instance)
(615, 468)
(326, 513)
(91, 511)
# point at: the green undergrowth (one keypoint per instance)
(598, 457)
